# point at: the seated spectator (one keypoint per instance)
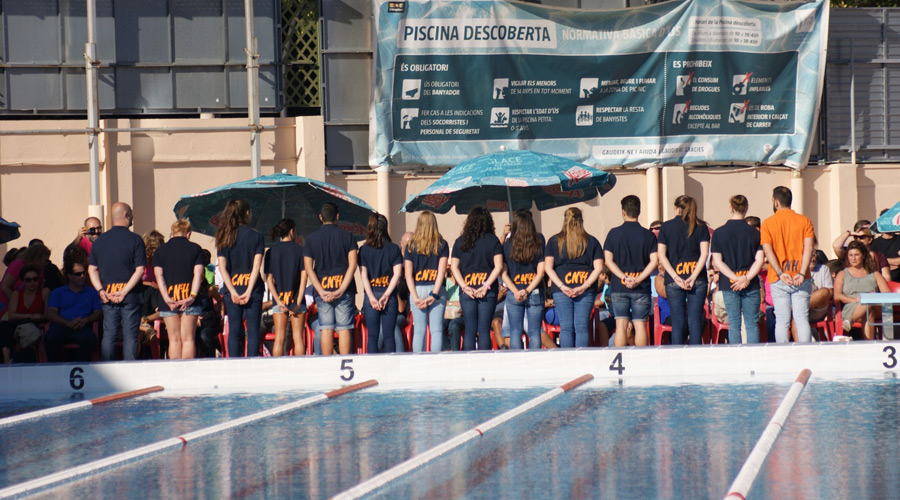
(858, 277)
(35, 255)
(52, 275)
(72, 309)
(753, 221)
(453, 320)
(209, 325)
(501, 337)
(604, 321)
(861, 232)
(26, 306)
(823, 287)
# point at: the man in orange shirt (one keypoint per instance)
(787, 240)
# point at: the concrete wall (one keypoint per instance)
(44, 180)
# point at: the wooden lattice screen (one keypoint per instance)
(300, 53)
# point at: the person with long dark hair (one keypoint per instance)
(476, 262)
(860, 276)
(523, 273)
(425, 267)
(178, 266)
(240, 254)
(683, 245)
(286, 280)
(573, 262)
(380, 268)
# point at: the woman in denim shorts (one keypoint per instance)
(286, 280)
(178, 266)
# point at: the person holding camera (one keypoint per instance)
(88, 234)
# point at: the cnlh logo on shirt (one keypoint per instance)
(380, 282)
(575, 277)
(685, 268)
(739, 274)
(629, 275)
(179, 291)
(115, 287)
(524, 278)
(332, 282)
(426, 275)
(473, 279)
(286, 297)
(240, 279)
(790, 266)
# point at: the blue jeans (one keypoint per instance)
(58, 335)
(432, 316)
(743, 304)
(786, 298)
(574, 316)
(398, 335)
(454, 328)
(516, 311)
(128, 316)
(237, 314)
(477, 316)
(686, 306)
(377, 320)
(339, 315)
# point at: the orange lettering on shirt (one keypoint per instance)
(380, 282)
(475, 279)
(575, 277)
(629, 275)
(426, 275)
(524, 278)
(115, 287)
(180, 291)
(332, 282)
(685, 268)
(240, 279)
(286, 297)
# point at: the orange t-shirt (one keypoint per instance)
(785, 231)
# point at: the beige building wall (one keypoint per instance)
(45, 185)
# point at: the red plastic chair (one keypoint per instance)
(659, 329)
(716, 328)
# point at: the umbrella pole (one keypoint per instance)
(509, 204)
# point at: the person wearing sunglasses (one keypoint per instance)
(25, 306)
(72, 311)
(863, 234)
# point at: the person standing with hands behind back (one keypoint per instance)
(287, 284)
(739, 257)
(117, 263)
(330, 258)
(630, 252)
(787, 240)
(240, 255)
(178, 266)
(380, 269)
(476, 261)
(683, 248)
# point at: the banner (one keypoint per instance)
(692, 82)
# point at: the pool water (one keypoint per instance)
(680, 441)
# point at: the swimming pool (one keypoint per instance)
(603, 440)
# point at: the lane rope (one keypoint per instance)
(747, 475)
(15, 419)
(90, 468)
(404, 468)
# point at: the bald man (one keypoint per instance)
(117, 263)
(88, 234)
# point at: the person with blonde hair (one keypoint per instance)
(178, 265)
(380, 269)
(683, 245)
(240, 254)
(425, 267)
(573, 262)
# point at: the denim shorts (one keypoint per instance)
(633, 306)
(190, 311)
(338, 315)
(278, 310)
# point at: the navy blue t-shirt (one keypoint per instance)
(284, 261)
(379, 264)
(631, 246)
(425, 267)
(117, 253)
(573, 272)
(477, 263)
(328, 247)
(522, 273)
(177, 258)
(683, 251)
(239, 258)
(738, 243)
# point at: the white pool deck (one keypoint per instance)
(642, 366)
